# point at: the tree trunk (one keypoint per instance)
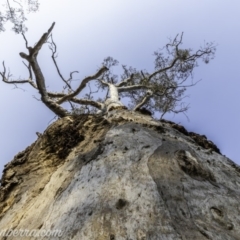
(124, 177)
(113, 102)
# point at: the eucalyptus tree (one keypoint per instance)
(161, 90)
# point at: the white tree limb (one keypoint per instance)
(88, 102)
(133, 87)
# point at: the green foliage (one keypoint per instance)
(15, 12)
(183, 54)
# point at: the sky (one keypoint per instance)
(130, 31)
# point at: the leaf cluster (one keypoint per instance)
(15, 12)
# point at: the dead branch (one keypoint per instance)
(40, 80)
(6, 79)
(83, 85)
(42, 40)
(53, 48)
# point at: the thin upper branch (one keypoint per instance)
(164, 69)
(6, 80)
(25, 39)
(125, 81)
(10, 10)
(175, 43)
(145, 99)
(53, 48)
(83, 85)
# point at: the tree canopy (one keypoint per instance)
(15, 12)
(162, 90)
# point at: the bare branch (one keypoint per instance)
(53, 48)
(6, 80)
(133, 87)
(42, 40)
(34, 51)
(56, 95)
(77, 100)
(183, 109)
(18, 3)
(163, 69)
(26, 42)
(125, 81)
(83, 85)
(10, 10)
(30, 74)
(19, 81)
(71, 76)
(103, 82)
(148, 95)
(88, 102)
(40, 80)
(36, 98)
(175, 43)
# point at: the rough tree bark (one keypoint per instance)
(122, 176)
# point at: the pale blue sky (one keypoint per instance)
(87, 31)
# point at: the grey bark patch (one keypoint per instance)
(197, 210)
(167, 196)
(220, 216)
(190, 165)
(167, 175)
(217, 213)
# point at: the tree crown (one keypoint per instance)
(162, 90)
